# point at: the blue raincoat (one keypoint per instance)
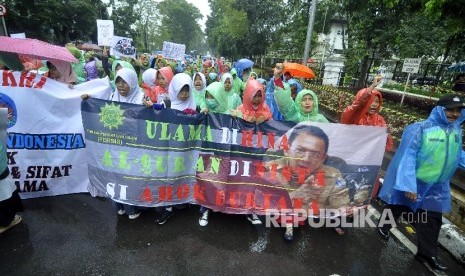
(428, 155)
(293, 82)
(270, 101)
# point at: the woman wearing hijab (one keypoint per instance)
(365, 110)
(61, 71)
(180, 93)
(215, 99)
(254, 108)
(199, 87)
(148, 82)
(127, 88)
(117, 65)
(162, 82)
(233, 98)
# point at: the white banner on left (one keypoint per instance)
(46, 145)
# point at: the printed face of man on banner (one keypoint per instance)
(302, 170)
(307, 148)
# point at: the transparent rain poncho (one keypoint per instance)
(428, 155)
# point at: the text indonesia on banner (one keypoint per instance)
(143, 157)
(46, 145)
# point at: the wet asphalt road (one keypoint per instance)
(80, 235)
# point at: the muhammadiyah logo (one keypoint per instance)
(8, 103)
(111, 116)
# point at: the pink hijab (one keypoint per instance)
(67, 73)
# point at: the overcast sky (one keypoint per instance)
(202, 5)
(204, 8)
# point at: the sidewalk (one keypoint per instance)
(451, 238)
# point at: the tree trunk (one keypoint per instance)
(449, 43)
(363, 72)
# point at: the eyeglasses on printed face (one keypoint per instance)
(311, 153)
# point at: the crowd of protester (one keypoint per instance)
(205, 86)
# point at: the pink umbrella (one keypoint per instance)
(35, 48)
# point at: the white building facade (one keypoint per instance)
(330, 50)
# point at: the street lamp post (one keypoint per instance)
(311, 21)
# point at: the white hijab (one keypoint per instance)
(135, 96)
(148, 77)
(204, 82)
(226, 76)
(178, 81)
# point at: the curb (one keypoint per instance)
(452, 239)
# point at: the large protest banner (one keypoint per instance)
(46, 146)
(144, 157)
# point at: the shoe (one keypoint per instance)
(254, 219)
(165, 215)
(133, 216)
(17, 219)
(289, 234)
(339, 231)
(121, 212)
(433, 262)
(203, 220)
(383, 233)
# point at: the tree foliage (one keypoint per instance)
(179, 22)
(431, 29)
(57, 21)
(146, 26)
(124, 17)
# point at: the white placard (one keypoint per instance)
(105, 31)
(18, 35)
(173, 51)
(122, 47)
(411, 65)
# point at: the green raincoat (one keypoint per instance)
(292, 111)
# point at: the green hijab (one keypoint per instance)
(313, 116)
(124, 64)
(216, 90)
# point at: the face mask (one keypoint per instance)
(211, 103)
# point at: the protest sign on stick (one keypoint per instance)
(123, 47)
(105, 30)
(173, 51)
